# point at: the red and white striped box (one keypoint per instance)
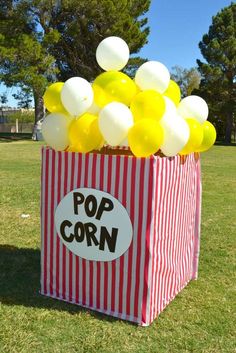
(162, 197)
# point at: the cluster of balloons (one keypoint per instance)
(146, 114)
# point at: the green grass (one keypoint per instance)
(200, 319)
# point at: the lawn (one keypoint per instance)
(200, 319)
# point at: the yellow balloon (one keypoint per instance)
(173, 92)
(113, 86)
(145, 137)
(52, 98)
(209, 137)
(148, 104)
(84, 134)
(195, 137)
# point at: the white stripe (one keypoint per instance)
(148, 169)
(128, 208)
(152, 267)
(120, 194)
(136, 196)
(68, 182)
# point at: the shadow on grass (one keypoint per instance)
(20, 282)
(5, 140)
(224, 144)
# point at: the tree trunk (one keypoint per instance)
(39, 107)
(229, 126)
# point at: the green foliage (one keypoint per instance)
(45, 41)
(133, 65)
(187, 79)
(3, 98)
(218, 84)
(82, 25)
(24, 98)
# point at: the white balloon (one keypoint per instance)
(193, 107)
(171, 109)
(55, 129)
(124, 143)
(153, 75)
(112, 54)
(77, 95)
(94, 109)
(115, 120)
(176, 134)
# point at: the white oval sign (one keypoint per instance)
(93, 224)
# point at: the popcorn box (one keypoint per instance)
(119, 234)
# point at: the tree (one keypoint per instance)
(3, 98)
(24, 98)
(82, 25)
(43, 41)
(218, 84)
(187, 79)
(24, 57)
(3, 101)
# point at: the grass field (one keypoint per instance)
(200, 319)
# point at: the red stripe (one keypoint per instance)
(94, 170)
(124, 202)
(42, 205)
(78, 185)
(52, 207)
(46, 223)
(58, 240)
(139, 236)
(130, 251)
(117, 177)
(77, 279)
(91, 283)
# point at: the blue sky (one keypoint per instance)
(176, 27)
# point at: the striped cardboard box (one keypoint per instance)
(163, 199)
